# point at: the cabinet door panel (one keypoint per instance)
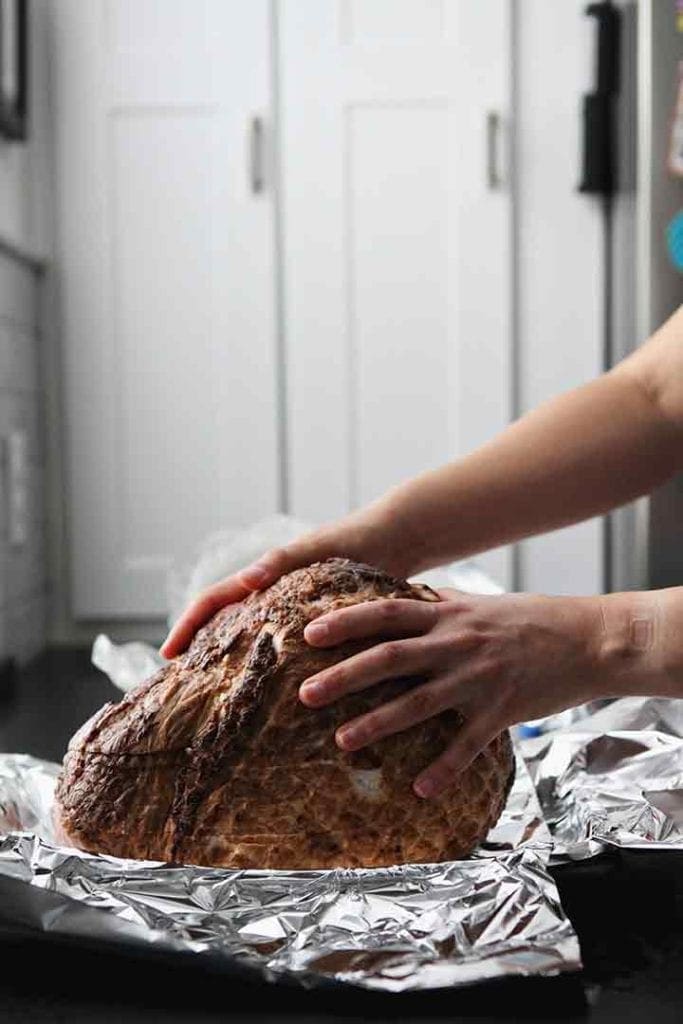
(168, 283)
(397, 260)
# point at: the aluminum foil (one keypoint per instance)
(615, 778)
(495, 915)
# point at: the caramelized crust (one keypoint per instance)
(215, 760)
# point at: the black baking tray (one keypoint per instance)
(627, 908)
(205, 979)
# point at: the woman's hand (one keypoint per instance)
(374, 535)
(497, 660)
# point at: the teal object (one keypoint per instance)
(674, 240)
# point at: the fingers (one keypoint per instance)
(312, 547)
(395, 716)
(200, 611)
(385, 661)
(471, 739)
(257, 576)
(270, 567)
(393, 617)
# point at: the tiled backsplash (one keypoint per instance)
(23, 565)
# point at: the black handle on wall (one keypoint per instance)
(598, 175)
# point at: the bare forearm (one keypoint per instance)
(578, 455)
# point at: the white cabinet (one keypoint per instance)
(167, 263)
(396, 245)
(394, 270)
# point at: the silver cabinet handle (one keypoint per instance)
(256, 175)
(494, 177)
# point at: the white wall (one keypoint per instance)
(560, 270)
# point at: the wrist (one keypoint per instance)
(389, 538)
(366, 535)
(630, 659)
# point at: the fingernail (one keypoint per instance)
(425, 788)
(345, 738)
(310, 691)
(317, 631)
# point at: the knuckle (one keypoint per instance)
(391, 654)
(442, 771)
(389, 610)
(369, 727)
(433, 614)
(492, 666)
(477, 672)
(482, 626)
(466, 750)
(435, 700)
(427, 701)
(276, 557)
(415, 703)
(469, 637)
(419, 651)
(337, 620)
(334, 678)
(437, 645)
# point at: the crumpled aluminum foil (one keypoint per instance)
(495, 915)
(615, 778)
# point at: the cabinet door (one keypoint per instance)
(167, 260)
(396, 241)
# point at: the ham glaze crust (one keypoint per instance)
(215, 761)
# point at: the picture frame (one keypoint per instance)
(14, 69)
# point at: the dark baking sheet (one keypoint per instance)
(143, 973)
(628, 911)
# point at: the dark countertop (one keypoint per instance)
(627, 910)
